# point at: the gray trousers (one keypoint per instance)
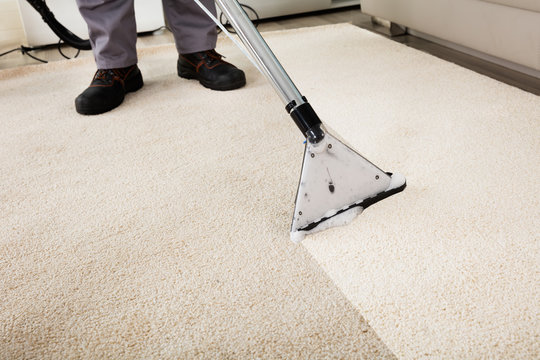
(113, 33)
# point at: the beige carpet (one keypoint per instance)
(161, 229)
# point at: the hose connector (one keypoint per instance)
(307, 121)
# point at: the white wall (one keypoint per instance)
(11, 29)
(148, 13)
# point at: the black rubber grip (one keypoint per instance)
(305, 118)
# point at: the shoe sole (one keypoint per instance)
(130, 86)
(190, 75)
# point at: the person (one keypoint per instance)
(113, 36)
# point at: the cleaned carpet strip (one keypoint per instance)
(450, 267)
(161, 229)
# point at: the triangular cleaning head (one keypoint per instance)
(336, 185)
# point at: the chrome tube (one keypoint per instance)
(259, 50)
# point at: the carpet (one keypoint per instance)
(161, 229)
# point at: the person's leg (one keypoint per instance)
(195, 36)
(112, 31)
(113, 36)
(193, 30)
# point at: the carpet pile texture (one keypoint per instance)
(161, 229)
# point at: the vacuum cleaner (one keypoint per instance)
(336, 183)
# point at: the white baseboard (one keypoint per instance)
(502, 62)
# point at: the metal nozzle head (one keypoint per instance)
(335, 185)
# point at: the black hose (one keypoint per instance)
(223, 19)
(60, 30)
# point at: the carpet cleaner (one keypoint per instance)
(336, 183)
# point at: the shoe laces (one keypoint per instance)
(108, 75)
(211, 57)
(104, 74)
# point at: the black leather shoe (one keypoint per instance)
(108, 89)
(211, 71)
